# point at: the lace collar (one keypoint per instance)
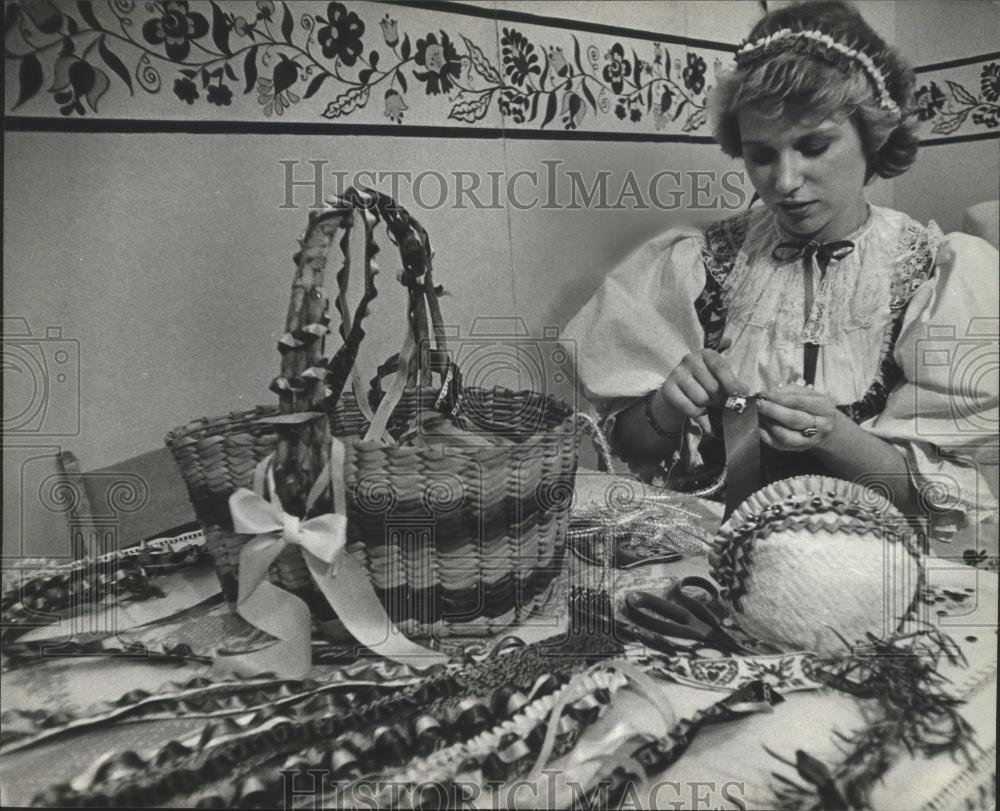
(760, 291)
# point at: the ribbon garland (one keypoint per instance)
(337, 574)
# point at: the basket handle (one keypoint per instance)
(417, 276)
(410, 358)
(303, 444)
(439, 362)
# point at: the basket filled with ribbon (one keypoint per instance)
(418, 508)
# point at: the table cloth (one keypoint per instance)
(729, 766)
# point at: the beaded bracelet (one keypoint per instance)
(647, 410)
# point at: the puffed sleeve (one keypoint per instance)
(641, 322)
(945, 410)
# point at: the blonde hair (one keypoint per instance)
(798, 78)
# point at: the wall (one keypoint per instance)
(147, 227)
(960, 90)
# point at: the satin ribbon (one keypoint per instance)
(824, 251)
(740, 429)
(339, 577)
(378, 429)
(572, 693)
(345, 313)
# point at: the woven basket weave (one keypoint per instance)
(445, 558)
(463, 540)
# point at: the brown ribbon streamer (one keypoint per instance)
(742, 437)
(824, 252)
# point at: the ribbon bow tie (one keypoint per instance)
(323, 536)
(824, 251)
(340, 578)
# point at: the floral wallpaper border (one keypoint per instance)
(362, 64)
(337, 62)
(960, 99)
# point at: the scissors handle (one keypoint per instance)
(711, 613)
(663, 616)
(681, 616)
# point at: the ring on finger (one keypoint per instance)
(811, 431)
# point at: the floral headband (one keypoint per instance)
(787, 39)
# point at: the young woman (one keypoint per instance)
(816, 300)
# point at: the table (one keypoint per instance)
(731, 762)
(727, 766)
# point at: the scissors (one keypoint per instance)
(660, 622)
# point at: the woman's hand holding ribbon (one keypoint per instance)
(703, 378)
(797, 418)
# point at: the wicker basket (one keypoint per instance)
(466, 539)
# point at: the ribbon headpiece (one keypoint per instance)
(787, 39)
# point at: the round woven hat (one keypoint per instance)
(817, 563)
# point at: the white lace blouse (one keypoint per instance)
(931, 297)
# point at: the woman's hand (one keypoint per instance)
(788, 411)
(703, 378)
(843, 447)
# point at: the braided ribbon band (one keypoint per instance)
(787, 39)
